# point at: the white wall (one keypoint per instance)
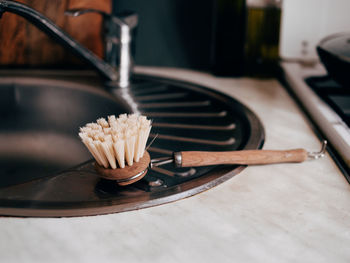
(306, 22)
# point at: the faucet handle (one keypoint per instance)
(126, 18)
(80, 11)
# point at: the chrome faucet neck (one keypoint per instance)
(118, 46)
(118, 40)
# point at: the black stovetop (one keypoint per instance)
(335, 95)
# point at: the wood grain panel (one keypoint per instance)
(21, 43)
(247, 157)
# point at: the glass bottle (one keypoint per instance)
(262, 38)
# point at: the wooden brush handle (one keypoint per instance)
(245, 157)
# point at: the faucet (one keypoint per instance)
(118, 40)
(118, 63)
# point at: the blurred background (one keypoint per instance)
(225, 37)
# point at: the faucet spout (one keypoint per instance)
(52, 30)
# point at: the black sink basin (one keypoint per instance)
(40, 119)
(46, 170)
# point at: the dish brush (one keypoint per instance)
(116, 143)
(122, 141)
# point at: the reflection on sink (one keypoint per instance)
(40, 122)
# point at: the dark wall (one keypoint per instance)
(173, 33)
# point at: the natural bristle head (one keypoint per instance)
(117, 142)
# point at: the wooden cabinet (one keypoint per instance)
(22, 44)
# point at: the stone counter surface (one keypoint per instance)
(273, 213)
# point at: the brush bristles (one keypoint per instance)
(118, 141)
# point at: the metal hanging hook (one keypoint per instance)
(320, 154)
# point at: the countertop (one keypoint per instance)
(273, 213)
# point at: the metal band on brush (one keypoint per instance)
(131, 178)
(178, 159)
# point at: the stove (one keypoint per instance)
(327, 104)
(335, 95)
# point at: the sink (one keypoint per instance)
(47, 172)
(40, 119)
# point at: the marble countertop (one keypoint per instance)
(273, 213)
